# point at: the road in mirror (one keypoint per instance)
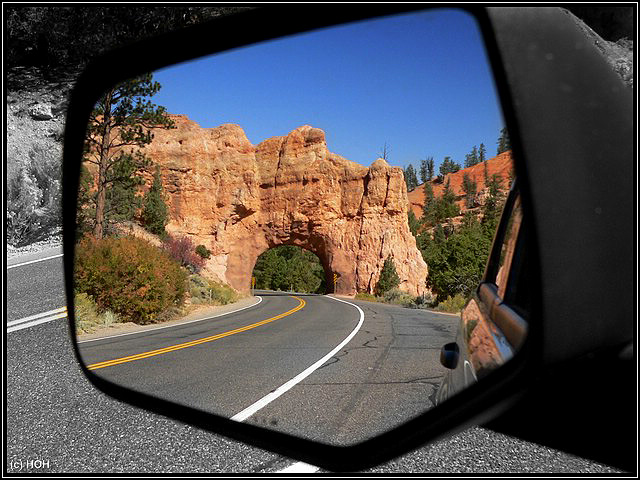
(285, 234)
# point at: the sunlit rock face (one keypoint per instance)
(239, 200)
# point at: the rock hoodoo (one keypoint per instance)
(240, 200)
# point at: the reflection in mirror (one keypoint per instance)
(227, 259)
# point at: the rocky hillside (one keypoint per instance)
(500, 165)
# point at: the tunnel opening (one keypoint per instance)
(290, 268)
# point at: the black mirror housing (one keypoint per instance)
(503, 388)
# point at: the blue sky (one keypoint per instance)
(419, 82)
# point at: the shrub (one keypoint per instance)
(182, 250)
(398, 297)
(169, 314)
(426, 300)
(87, 316)
(366, 296)
(86, 313)
(207, 291)
(203, 251)
(388, 277)
(452, 304)
(469, 327)
(392, 296)
(129, 276)
(34, 198)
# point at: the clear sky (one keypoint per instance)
(419, 82)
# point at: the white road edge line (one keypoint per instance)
(21, 326)
(267, 399)
(299, 467)
(174, 325)
(34, 261)
(37, 315)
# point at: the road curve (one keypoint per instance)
(385, 375)
(224, 364)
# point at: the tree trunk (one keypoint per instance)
(98, 230)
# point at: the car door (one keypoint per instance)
(493, 323)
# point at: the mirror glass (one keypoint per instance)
(285, 234)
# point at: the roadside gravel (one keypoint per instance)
(54, 240)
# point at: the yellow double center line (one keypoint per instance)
(172, 348)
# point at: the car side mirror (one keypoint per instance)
(108, 372)
(449, 355)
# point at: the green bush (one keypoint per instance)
(456, 263)
(366, 296)
(129, 276)
(452, 304)
(203, 251)
(389, 278)
(87, 316)
(426, 300)
(398, 297)
(204, 291)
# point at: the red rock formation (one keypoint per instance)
(500, 165)
(239, 200)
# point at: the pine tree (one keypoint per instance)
(121, 202)
(486, 174)
(492, 207)
(449, 200)
(428, 199)
(85, 212)
(504, 143)
(430, 168)
(155, 215)
(482, 153)
(123, 117)
(388, 277)
(414, 224)
(442, 208)
(471, 159)
(470, 189)
(423, 170)
(448, 166)
(410, 177)
(438, 235)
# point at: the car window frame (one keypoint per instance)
(504, 316)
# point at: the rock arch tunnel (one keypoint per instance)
(243, 260)
(240, 200)
(290, 268)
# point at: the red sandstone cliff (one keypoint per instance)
(240, 200)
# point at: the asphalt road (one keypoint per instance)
(56, 422)
(34, 288)
(387, 373)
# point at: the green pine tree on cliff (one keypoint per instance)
(123, 117)
(388, 277)
(155, 215)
